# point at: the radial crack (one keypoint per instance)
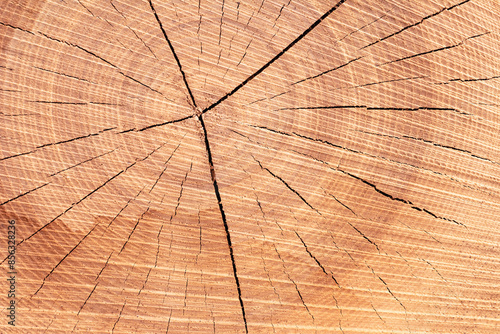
(90, 193)
(432, 51)
(82, 162)
(64, 258)
(173, 51)
(295, 284)
(133, 229)
(316, 260)
(88, 297)
(223, 215)
(287, 185)
(23, 194)
(327, 71)
(266, 65)
(415, 24)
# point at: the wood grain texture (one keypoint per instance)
(281, 166)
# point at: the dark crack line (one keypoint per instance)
(119, 317)
(17, 28)
(221, 20)
(432, 51)
(124, 207)
(364, 236)
(467, 80)
(88, 297)
(74, 204)
(338, 201)
(76, 138)
(58, 143)
(287, 185)
(377, 313)
(160, 124)
(88, 10)
(168, 323)
(295, 284)
(414, 24)
(326, 107)
(104, 267)
(144, 85)
(103, 60)
(63, 74)
(113, 5)
(366, 25)
(90, 193)
(432, 143)
(354, 176)
(164, 169)
(316, 260)
(201, 244)
(172, 217)
(269, 277)
(266, 65)
(381, 82)
(399, 199)
(23, 194)
(133, 229)
(267, 129)
(173, 52)
(82, 162)
(75, 103)
(145, 282)
(64, 258)
(392, 294)
(375, 188)
(435, 270)
(328, 71)
(144, 43)
(223, 215)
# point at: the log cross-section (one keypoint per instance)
(282, 166)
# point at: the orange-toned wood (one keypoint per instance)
(250, 167)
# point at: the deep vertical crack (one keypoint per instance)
(198, 114)
(223, 215)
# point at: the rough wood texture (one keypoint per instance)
(282, 166)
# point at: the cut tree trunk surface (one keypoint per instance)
(281, 166)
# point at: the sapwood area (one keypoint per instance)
(282, 166)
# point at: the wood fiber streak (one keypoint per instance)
(267, 166)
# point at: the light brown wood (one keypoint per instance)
(262, 166)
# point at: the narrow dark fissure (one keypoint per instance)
(221, 209)
(199, 116)
(266, 65)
